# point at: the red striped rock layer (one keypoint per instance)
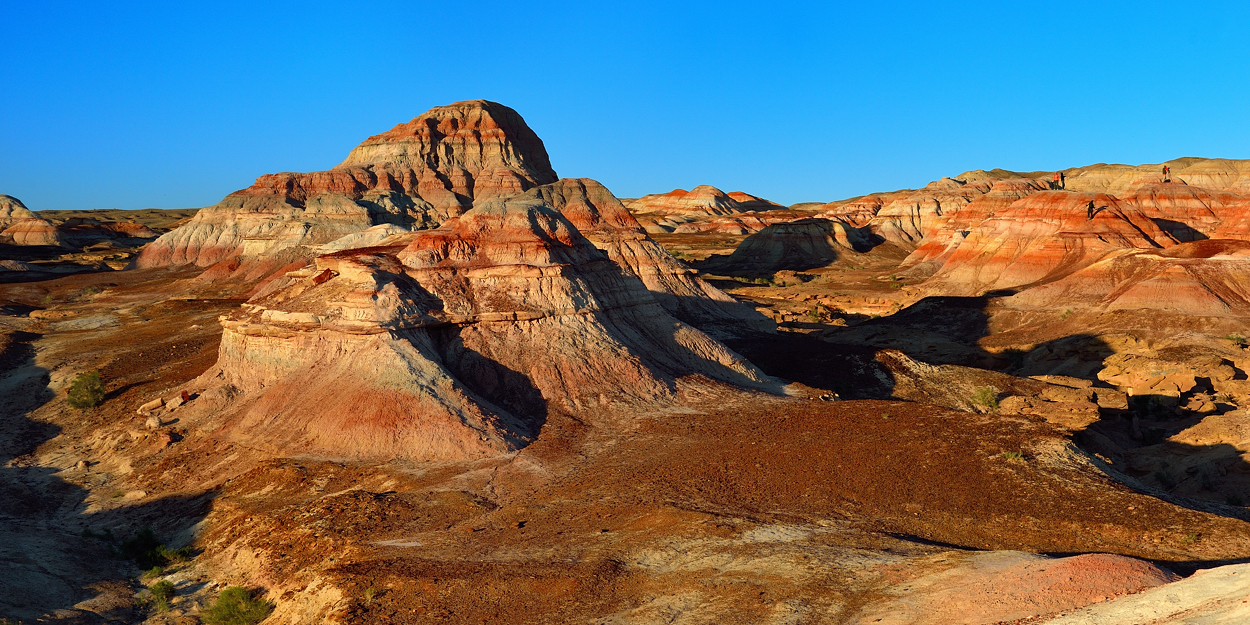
(1210, 277)
(457, 345)
(606, 223)
(702, 200)
(416, 175)
(1043, 237)
(21, 226)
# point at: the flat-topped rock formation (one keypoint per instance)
(416, 175)
(21, 226)
(459, 343)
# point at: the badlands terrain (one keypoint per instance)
(439, 383)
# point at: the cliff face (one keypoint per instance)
(416, 175)
(1043, 237)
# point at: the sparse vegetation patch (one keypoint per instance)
(986, 397)
(86, 391)
(237, 606)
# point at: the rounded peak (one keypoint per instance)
(473, 136)
(706, 189)
(8, 200)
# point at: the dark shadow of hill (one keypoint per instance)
(946, 330)
(53, 554)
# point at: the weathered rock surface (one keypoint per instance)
(1002, 586)
(1042, 237)
(415, 175)
(605, 222)
(1215, 596)
(21, 226)
(702, 200)
(458, 344)
(1209, 277)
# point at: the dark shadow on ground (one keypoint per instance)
(53, 554)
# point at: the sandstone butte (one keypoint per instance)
(21, 226)
(460, 342)
(416, 175)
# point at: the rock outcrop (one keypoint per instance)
(21, 226)
(1209, 277)
(460, 343)
(416, 175)
(606, 223)
(796, 245)
(1044, 237)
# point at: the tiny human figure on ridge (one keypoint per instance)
(1063, 180)
(1054, 182)
(1167, 174)
(1089, 210)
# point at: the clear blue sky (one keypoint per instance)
(174, 105)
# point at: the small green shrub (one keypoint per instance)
(1067, 313)
(1237, 339)
(1013, 455)
(237, 606)
(153, 573)
(86, 391)
(369, 594)
(162, 590)
(986, 397)
(149, 553)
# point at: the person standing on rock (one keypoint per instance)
(1089, 210)
(1054, 182)
(1167, 174)
(1063, 180)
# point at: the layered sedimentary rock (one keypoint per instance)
(1044, 236)
(21, 226)
(1209, 278)
(605, 222)
(1215, 173)
(416, 175)
(796, 245)
(701, 201)
(460, 343)
(947, 230)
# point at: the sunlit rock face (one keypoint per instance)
(21, 226)
(416, 175)
(1043, 237)
(457, 344)
(702, 200)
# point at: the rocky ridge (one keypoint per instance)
(461, 342)
(416, 175)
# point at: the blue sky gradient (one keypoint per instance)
(157, 105)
